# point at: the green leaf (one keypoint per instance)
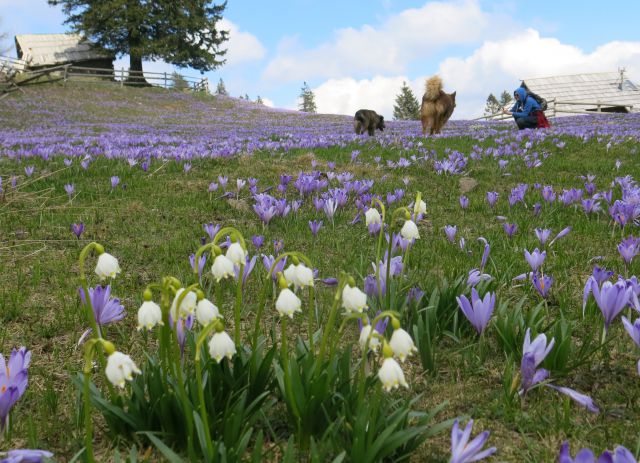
(169, 454)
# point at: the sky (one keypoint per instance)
(357, 54)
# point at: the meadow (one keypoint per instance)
(156, 176)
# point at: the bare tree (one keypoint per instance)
(4, 38)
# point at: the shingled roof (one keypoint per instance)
(611, 89)
(52, 49)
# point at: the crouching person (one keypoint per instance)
(527, 111)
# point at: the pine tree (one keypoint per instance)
(407, 106)
(259, 100)
(505, 99)
(308, 103)
(185, 34)
(492, 106)
(4, 49)
(221, 89)
(179, 82)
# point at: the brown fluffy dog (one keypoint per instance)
(437, 106)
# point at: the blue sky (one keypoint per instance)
(356, 54)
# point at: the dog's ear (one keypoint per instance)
(382, 118)
(453, 95)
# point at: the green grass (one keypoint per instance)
(153, 221)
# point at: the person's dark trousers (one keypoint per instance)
(528, 122)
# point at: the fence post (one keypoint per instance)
(66, 70)
(165, 80)
(122, 77)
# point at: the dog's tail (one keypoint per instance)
(432, 88)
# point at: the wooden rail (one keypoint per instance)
(18, 74)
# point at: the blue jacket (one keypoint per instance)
(525, 106)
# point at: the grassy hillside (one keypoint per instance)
(170, 152)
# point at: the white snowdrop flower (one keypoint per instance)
(372, 216)
(206, 312)
(374, 342)
(107, 266)
(187, 306)
(119, 368)
(288, 303)
(391, 375)
(402, 344)
(290, 275)
(420, 207)
(149, 315)
(221, 345)
(410, 231)
(304, 275)
(353, 300)
(222, 268)
(236, 254)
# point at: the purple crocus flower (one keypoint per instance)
(315, 226)
(537, 207)
(257, 240)
(145, 165)
(415, 294)
(533, 353)
(463, 451)
(542, 284)
(543, 235)
(223, 180)
(201, 263)
(578, 397)
(213, 186)
(115, 180)
(634, 331)
(629, 248)
(67, 162)
(70, 189)
(211, 229)
(492, 198)
(268, 261)
(535, 259)
(510, 228)
(248, 268)
(478, 311)
(183, 326)
(485, 252)
(77, 229)
(29, 170)
(14, 378)
(620, 455)
(564, 232)
(464, 202)
(611, 298)
(278, 246)
(105, 309)
(601, 274)
(331, 281)
(25, 456)
(475, 276)
(450, 231)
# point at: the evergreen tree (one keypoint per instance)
(506, 99)
(4, 49)
(492, 106)
(407, 106)
(246, 97)
(308, 103)
(259, 100)
(179, 82)
(184, 34)
(221, 89)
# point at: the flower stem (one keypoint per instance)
(238, 308)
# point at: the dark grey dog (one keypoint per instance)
(367, 120)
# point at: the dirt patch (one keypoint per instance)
(467, 184)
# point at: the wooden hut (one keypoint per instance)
(45, 50)
(596, 92)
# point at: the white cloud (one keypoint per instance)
(412, 34)
(500, 65)
(347, 95)
(242, 47)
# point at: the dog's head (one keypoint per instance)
(380, 125)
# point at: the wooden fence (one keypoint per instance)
(555, 107)
(15, 73)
